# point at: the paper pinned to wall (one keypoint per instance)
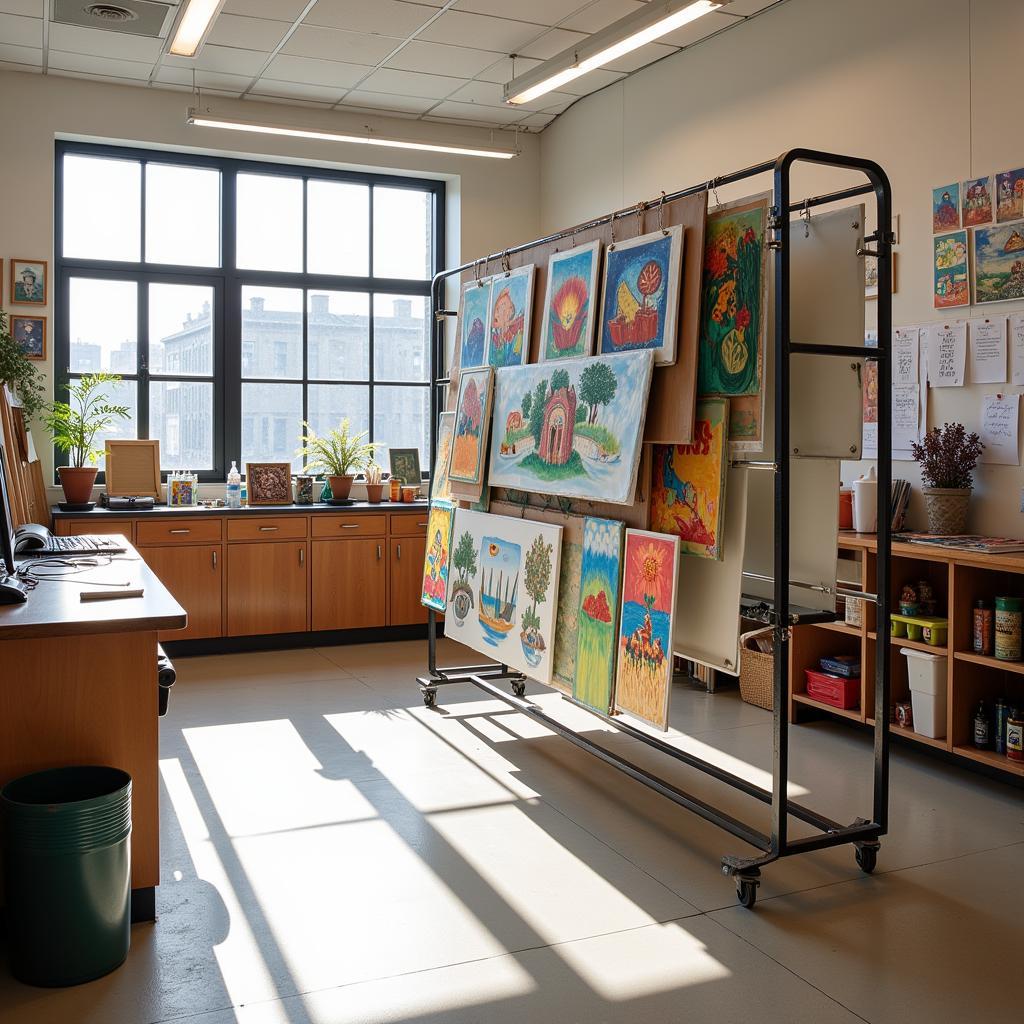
(999, 419)
(1017, 348)
(947, 354)
(988, 351)
(905, 349)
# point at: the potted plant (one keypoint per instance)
(74, 426)
(374, 483)
(947, 457)
(339, 454)
(19, 373)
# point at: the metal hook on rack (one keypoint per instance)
(477, 265)
(805, 216)
(661, 214)
(713, 189)
(639, 219)
(506, 266)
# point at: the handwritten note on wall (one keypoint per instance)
(947, 355)
(999, 419)
(905, 345)
(988, 351)
(1017, 349)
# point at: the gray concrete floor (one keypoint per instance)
(335, 852)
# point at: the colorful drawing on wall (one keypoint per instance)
(600, 575)
(999, 263)
(688, 483)
(949, 270)
(945, 208)
(563, 671)
(734, 300)
(571, 427)
(508, 317)
(1010, 195)
(472, 422)
(434, 593)
(570, 303)
(976, 196)
(746, 416)
(643, 674)
(476, 297)
(445, 436)
(641, 294)
(502, 598)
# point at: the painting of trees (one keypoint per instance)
(598, 385)
(464, 558)
(527, 402)
(559, 380)
(537, 410)
(538, 571)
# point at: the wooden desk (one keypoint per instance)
(78, 686)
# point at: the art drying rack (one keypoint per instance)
(863, 834)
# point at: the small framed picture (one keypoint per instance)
(405, 463)
(30, 282)
(269, 483)
(29, 334)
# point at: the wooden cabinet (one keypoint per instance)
(178, 531)
(267, 588)
(267, 528)
(349, 583)
(407, 580)
(194, 575)
(103, 527)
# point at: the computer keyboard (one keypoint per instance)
(83, 544)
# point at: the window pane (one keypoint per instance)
(337, 228)
(338, 332)
(271, 423)
(269, 230)
(181, 329)
(329, 404)
(124, 392)
(401, 338)
(102, 208)
(400, 418)
(182, 215)
(103, 326)
(401, 233)
(181, 415)
(272, 332)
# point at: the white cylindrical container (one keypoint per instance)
(926, 674)
(865, 504)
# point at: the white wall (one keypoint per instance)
(925, 87)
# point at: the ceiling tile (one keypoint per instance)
(482, 32)
(491, 94)
(502, 70)
(601, 14)
(537, 120)
(332, 44)
(26, 55)
(97, 43)
(552, 43)
(387, 17)
(285, 68)
(106, 67)
(235, 84)
(699, 29)
(462, 122)
(374, 112)
(248, 33)
(30, 8)
(438, 59)
(478, 112)
(388, 101)
(748, 7)
(222, 58)
(641, 58)
(298, 90)
(409, 83)
(540, 12)
(19, 31)
(281, 10)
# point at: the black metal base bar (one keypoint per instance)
(810, 348)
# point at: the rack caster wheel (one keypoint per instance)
(519, 688)
(746, 891)
(430, 698)
(867, 858)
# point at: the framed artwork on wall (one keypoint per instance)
(945, 208)
(405, 463)
(998, 263)
(268, 483)
(29, 334)
(949, 270)
(976, 199)
(570, 303)
(30, 282)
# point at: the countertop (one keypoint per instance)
(248, 510)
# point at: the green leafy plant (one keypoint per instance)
(19, 373)
(948, 455)
(339, 452)
(75, 424)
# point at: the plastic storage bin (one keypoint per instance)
(927, 676)
(839, 691)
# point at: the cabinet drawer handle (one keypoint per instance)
(399, 552)
(350, 526)
(179, 531)
(422, 524)
(213, 555)
(268, 529)
(302, 556)
(378, 553)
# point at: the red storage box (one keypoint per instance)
(834, 690)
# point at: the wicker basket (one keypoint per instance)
(946, 508)
(756, 670)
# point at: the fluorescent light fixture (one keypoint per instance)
(630, 33)
(193, 26)
(230, 124)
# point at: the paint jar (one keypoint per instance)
(1008, 619)
(409, 494)
(1015, 736)
(396, 488)
(983, 632)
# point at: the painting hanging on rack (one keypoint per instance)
(976, 197)
(945, 208)
(949, 270)
(1010, 195)
(445, 435)
(503, 589)
(570, 303)
(600, 575)
(563, 672)
(472, 422)
(508, 316)
(999, 263)
(571, 427)
(688, 483)
(434, 592)
(643, 672)
(476, 297)
(640, 304)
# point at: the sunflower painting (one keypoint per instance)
(643, 675)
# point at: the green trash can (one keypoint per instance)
(67, 867)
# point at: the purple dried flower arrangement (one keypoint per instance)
(948, 456)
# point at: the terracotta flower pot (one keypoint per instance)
(946, 508)
(341, 486)
(374, 492)
(77, 482)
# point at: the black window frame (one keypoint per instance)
(228, 280)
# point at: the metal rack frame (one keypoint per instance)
(863, 834)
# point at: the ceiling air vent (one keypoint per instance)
(133, 17)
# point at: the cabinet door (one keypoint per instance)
(349, 583)
(266, 590)
(97, 525)
(407, 580)
(192, 573)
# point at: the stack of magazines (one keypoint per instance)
(899, 502)
(965, 542)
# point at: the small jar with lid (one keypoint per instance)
(1008, 628)
(983, 631)
(1015, 736)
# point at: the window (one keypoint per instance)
(237, 300)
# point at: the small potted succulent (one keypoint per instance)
(75, 426)
(374, 483)
(339, 454)
(948, 456)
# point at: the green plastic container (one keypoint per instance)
(67, 866)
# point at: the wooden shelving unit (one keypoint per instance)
(959, 579)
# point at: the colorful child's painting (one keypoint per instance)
(641, 294)
(643, 673)
(563, 674)
(600, 576)
(438, 556)
(570, 304)
(508, 316)
(734, 300)
(945, 208)
(976, 197)
(503, 590)
(476, 297)
(949, 270)
(472, 421)
(999, 263)
(1010, 195)
(571, 427)
(445, 436)
(688, 483)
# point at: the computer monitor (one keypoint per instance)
(7, 526)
